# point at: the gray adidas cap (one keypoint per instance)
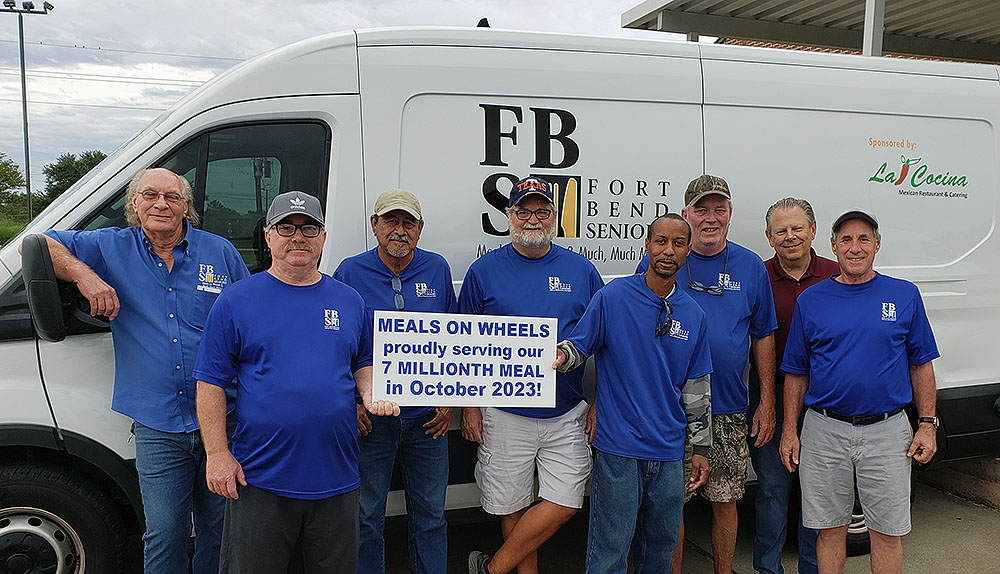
(293, 202)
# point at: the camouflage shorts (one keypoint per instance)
(728, 458)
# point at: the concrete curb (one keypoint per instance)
(975, 480)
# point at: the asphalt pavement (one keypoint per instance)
(949, 535)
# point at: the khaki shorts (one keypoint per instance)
(518, 449)
(835, 453)
(728, 457)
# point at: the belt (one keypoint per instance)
(860, 420)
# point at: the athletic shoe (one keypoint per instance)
(478, 562)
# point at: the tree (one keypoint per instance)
(11, 180)
(64, 172)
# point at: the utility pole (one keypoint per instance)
(26, 8)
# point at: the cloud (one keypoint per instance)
(99, 71)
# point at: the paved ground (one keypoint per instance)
(949, 535)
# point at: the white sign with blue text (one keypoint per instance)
(447, 360)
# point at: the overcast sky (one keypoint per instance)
(98, 71)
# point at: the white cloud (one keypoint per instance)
(98, 71)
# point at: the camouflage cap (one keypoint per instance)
(705, 185)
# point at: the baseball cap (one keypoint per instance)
(706, 185)
(397, 199)
(293, 202)
(856, 214)
(529, 185)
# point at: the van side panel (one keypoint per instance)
(919, 151)
(619, 135)
(23, 397)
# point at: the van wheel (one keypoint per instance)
(54, 521)
(858, 542)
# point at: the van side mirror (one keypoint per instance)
(42, 289)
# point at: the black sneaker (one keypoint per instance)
(478, 562)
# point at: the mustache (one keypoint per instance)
(402, 237)
(665, 260)
(298, 246)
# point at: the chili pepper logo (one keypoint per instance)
(906, 167)
(920, 176)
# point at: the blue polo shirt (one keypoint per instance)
(640, 375)
(856, 343)
(426, 287)
(159, 325)
(558, 284)
(745, 309)
(292, 351)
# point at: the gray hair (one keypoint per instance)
(789, 203)
(133, 188)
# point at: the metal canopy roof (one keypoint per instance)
(953, 29)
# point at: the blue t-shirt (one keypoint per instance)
(640, 375)
(293, 350)
(159, 323)
(559, 284)
(426, 287)
(746, 307)
(857, 342)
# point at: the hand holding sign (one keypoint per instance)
(381, 407)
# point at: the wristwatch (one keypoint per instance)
(933, 420)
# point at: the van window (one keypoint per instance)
(235, 172)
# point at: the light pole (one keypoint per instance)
(26, 8)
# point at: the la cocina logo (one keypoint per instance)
(921, 175)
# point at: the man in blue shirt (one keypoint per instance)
(530, 277)
(156, 282)
(730, 283)
(297, 346)
(859, 349)
(398, 276)
(653, 364)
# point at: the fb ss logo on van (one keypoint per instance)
(567, 186)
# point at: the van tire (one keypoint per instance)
(858, 542)
(63, 516)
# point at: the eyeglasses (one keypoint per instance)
(307, 229)
(701, 287)
(664, 327)
(170, 197)
(525, 214)
(397, 286)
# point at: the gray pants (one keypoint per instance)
(262, 528)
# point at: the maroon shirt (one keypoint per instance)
(786, 290)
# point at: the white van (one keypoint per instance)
(456, 116)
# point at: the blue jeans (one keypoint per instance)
(634, 497)
(773, 485)
(424, 467)
(172, 481)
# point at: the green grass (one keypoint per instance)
(9, 229)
